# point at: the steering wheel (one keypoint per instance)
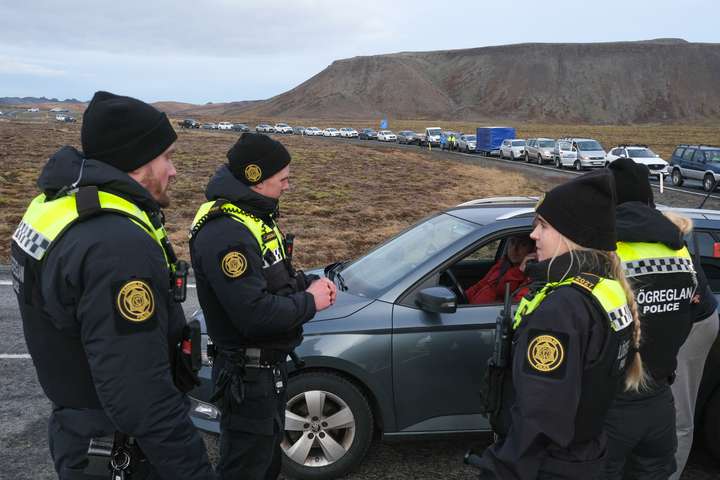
(455, 287)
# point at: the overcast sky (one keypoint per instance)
(225, 50)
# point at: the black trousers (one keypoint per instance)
(251, 431)
(69, 434)
(641, 438)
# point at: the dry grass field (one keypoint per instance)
(344, 198)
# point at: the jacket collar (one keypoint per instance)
(224, 185)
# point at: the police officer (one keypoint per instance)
(91, 267)
(570, 342)
(641, 425)
(255, 302)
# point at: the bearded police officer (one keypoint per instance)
(254, 302)
(92, 267)
(641, 425)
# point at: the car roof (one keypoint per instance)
(484, 211)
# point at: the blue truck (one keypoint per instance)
(490, 138)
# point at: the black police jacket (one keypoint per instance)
(552, 420)
(87, 353)
(262, 307)
(666, 321)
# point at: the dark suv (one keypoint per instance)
(403, 352)
(695, 162)
(189, 123)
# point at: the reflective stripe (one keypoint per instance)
(609, 293)
(44, 221)
(652, 266)
(258, 228)
(629, 251)
(31, 241)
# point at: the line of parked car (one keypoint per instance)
(694, 162)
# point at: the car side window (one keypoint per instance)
(678, 152)
(687, 155)
(699, 156)
(710, 262)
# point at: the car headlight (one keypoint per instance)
(584, 157)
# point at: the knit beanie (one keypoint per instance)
(256, 157)
(583, 210)
(124, 132)
(631, 182)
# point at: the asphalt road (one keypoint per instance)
(24, 408)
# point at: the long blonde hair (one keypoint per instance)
(636, 378)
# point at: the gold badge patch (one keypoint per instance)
(545, 353)
(234, 264)
(253, 172)
(135, 301)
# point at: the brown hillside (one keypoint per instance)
(664, 80)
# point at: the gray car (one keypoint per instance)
(403, 353)
(539, 150)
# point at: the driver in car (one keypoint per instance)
(509, 269)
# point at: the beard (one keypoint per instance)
(153, 185)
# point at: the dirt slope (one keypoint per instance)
(664, 80)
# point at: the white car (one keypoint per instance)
(639, 154)
(264, 128)
(283, 128)
(313, 131)
(348, 133)
(512, 148)
(563, 154)
(386, 136)
(225, 126)
(590, 154)
(331, 132)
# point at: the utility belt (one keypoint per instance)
(252, 357)
(116, 457)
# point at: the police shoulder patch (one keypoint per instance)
(233, 264)
(546, 353)
(135, 305)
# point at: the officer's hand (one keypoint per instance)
(321, 293)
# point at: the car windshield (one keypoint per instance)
(589, 145)
(712, 156)
(518, 143)
(640, 153)
(380, 269)
(546, 143)
(434, 131)
(470, 138)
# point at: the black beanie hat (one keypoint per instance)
(256, 157)
(124, 132)
(631, 182)
(583, 210)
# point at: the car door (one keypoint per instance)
(439, 358)
(689, 167)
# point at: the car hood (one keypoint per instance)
(345, 303)
(592, 153)
(650, 161)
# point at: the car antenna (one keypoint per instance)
(715, 184)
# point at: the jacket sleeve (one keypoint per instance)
(243, 292)
(122, 311)
(546, 394)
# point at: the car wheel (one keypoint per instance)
(708, 182)
(527, 158)
(328, 426)
(539, 159)
(558, 163)
(512, 155)
(578, 165)
(677, 178)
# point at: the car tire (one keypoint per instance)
(558, 163)
(332, 394)
(539, 159)
(711, 425)
(527, 158)
(677, 178)
(708, 182)
(578, 165)
(512, 155)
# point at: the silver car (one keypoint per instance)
(563, 154)
(539, 150)
(466, 143)
(512, 148)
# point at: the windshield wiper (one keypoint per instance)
(340, 281)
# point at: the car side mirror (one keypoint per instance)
(437, 300)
